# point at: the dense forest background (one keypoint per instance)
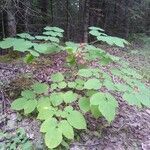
(121, 18)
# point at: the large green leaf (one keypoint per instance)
(62, 85)
(132, 99)
(84, 104)
(56, 98)
(66, 129)
(40, 88)
(71, 84)
(7, 43)
(96, 98)
(22, 45)
(92, 84)
(77, 120)
(26, 36)
(46, 113)
(53, 138)
(18, 104)
(48, 124)
(106, 103)
(43, 103)
(85, 72)
(95, 111)
(30, 106)
(57, 77)
(28, 94)
(70, 97)
(108, 107)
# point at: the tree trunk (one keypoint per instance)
(11, 20)
(51, 10)
(86, 21)
(44, 11)
(81, 20)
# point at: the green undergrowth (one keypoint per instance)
(15, 141)
(61, 104)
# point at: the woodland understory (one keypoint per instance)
(129, 131)
(74, 75)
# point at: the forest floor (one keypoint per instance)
(129, 131)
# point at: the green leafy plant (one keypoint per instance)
(15, 141)
(101, 36)
(58, 104)
(55, 104)
(46, 43)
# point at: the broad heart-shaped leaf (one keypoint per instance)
(40, 88)
(77, 120)
(57, 77)
(56, 98)
(29, 106)
(18, 104)
(48, 124)
(84, 104)
(108, 107)
(53, 138)
(28, 94)
(66, 129)
(70, 97)
(106, 104)
(85, 72)
(96, 98)
(92, 84)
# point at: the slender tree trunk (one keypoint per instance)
(44, 11)
(11, 20)
(86, 21)
(27, 16)
(81, 20)
(127, 18)
(67, 20)
(51, 10)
